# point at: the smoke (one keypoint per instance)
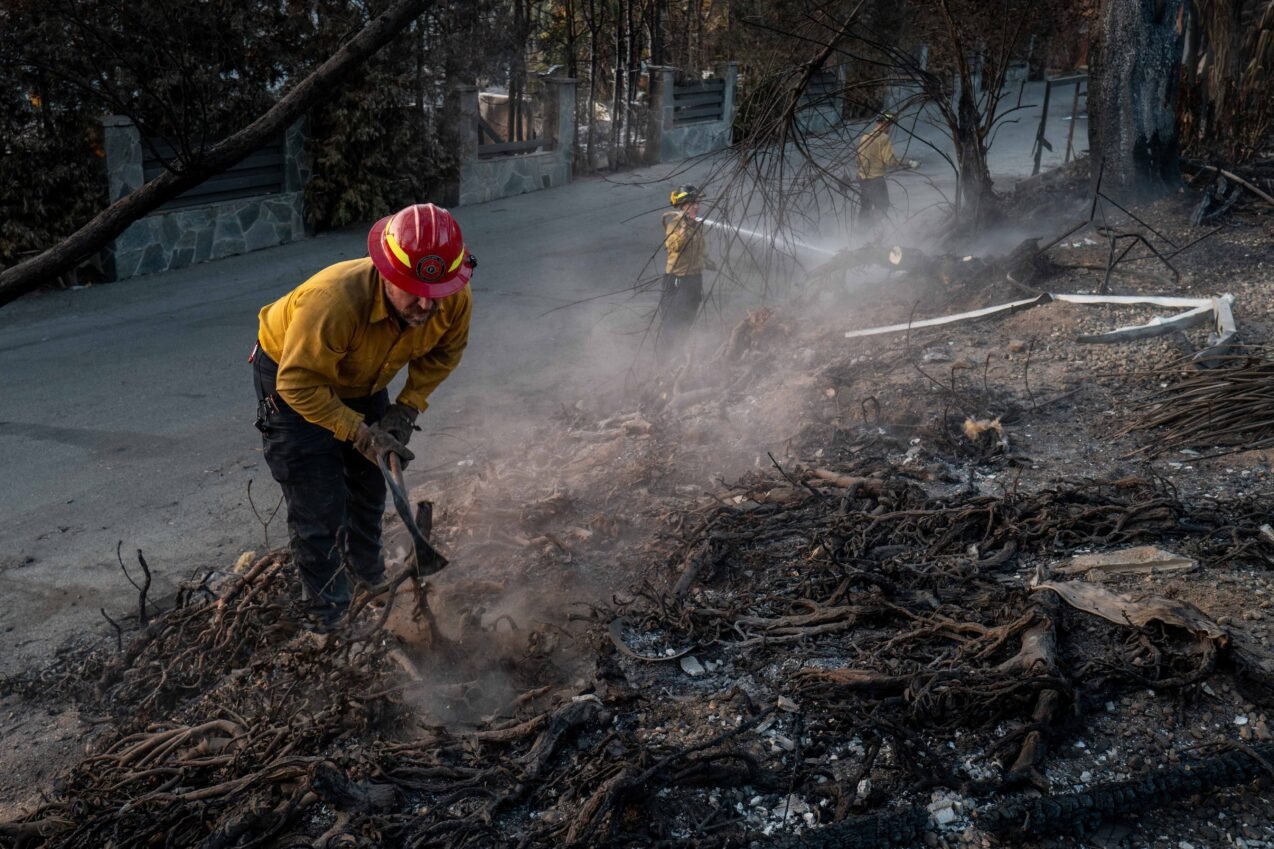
(496, 643)
(569, 436)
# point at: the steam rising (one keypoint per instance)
(554, 489)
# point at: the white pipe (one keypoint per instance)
(948, 319)
(1154, 300)
(1202, 307)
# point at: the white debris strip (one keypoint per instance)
(1219, 309)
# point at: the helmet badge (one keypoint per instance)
(429, 268)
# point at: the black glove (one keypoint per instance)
(400, 421)
(376, 442)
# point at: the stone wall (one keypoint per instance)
(682, 141)
(486, 178)
(482, 180)
(176, 238)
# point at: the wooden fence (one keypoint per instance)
(698, 101)
(261, 173)
(823, 92)
(491, 142)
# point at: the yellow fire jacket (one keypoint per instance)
(875, 154)
(684, 240)
(336, 336)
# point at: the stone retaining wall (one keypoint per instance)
(176, 238)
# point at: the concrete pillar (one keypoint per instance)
(666, 85)
(468, 124)
(296, 159)
(559, 111)
(559, 125)
(123, 144)
(730, 73)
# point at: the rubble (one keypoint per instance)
(850, 640)
(1222, 409)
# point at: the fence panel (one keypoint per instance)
(823, 89)
(494, 135)
(260, 173)
(700, 101)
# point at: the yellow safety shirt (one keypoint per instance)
(336, 336)
(875, 154)
(683, 237)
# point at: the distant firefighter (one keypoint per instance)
(875, 158)
(683, 278)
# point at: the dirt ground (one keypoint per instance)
(782, 590)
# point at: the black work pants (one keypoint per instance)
(873, 200)
(335, 496)
(678, 306)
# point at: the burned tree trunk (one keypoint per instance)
(1226, 104)
(974, 177)
(657, 14)
(1132, 96)
(974, 198)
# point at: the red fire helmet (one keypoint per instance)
(420, 250)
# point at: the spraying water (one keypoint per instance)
(761, 237)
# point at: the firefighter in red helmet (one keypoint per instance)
(325, 354)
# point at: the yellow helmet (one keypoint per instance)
(683, 195)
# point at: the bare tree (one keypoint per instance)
(958, 79)
(618, 92)
(593, 11)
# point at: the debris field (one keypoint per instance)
(967, 585)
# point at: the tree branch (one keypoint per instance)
(115, 219)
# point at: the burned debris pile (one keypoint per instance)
(1083, 812)
(932, 654)
(919, 634)
(943, 610)
(1226, 408)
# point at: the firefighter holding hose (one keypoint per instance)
(876, 158)
(683, 277)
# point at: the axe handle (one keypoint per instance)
(428, 559)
